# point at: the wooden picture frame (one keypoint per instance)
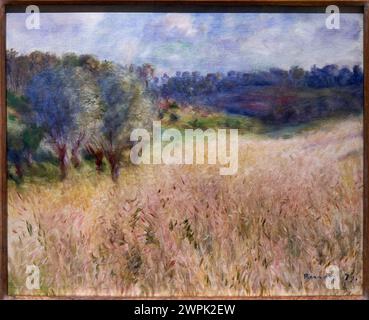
(4, 4)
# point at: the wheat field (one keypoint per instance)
(294, 208)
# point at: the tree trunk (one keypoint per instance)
(19, 170)
(29, 159)
(62, 155)
(76, 160)
(115, 171)
(99, 156)
(114, 166)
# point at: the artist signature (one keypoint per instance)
(346, 277)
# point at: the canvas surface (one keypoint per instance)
(184, 154)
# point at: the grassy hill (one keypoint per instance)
(295, 206)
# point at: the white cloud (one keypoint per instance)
(181, 23)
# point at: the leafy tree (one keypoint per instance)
(32, 137)
(89, 119)
(146, 73)
(22, 142)
(344, 77)
(126, 107)
(15, 143)
(20, 69)
(357, 76)
(63, 104)
(24, 137)
(296, 75)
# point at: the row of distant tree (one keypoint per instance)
(276, 96)
(186, 84)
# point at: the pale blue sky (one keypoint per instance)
(206, 42)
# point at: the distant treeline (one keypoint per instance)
(194, 84)
(276, 96)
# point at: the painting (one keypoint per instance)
(184, 154)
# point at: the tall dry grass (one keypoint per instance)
(295, 207)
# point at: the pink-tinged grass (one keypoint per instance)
(294, 208)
